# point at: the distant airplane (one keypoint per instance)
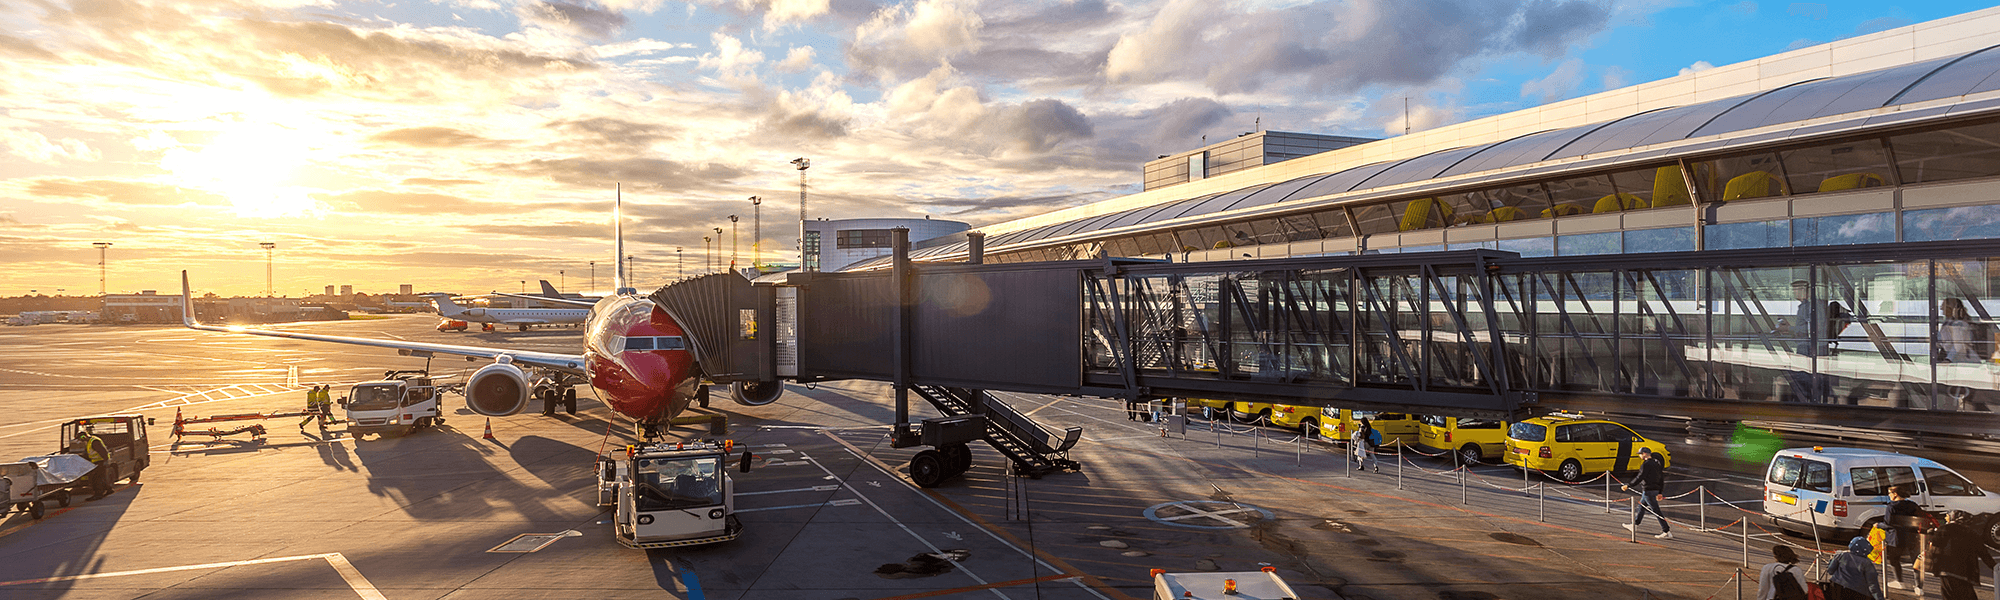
(521, 317)
(634, 357)
(550, 291)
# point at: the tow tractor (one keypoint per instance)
(671, 494)
(402, 402)
(51, 477)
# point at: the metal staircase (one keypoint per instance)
(1036, 450)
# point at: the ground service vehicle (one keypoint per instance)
(670, 494)
(1843, 491)
(124, 442)
(452, 325)
(1394, 427)
(1573, 446)
(1471, 441)
(1241, 585)
(402, 402)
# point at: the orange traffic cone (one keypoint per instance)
(489, 429)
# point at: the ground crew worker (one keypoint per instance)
(319, 405)
(96, 452)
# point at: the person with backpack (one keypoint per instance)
(1960, 556)
(1363, 444)
(1902, 525)
(1781, 580)
(1851, 576)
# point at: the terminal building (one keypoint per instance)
(858, 240)
(1818, 229)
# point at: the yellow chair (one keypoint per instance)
(1220, 244)
(1471, 218)
(1669, 189)
(1425, 213)
(1562, 210)
(1618, 202)
(1755, 184)
(1852, 181)
(1505, 214)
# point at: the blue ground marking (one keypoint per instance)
(688, 579)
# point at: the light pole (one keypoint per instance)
(757, 232)
(593, 276)
(732, 242)
(803, 163)
(707, 258)
(718, 249)
(103, 249)
(680, 264)
(269, 290)
(524, 286)
(631, 268)
(562, 281)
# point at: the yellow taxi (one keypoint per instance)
(1471, 441)
(1209, 408)
(1250, 411)
(1394, 427)
(1305, 419)
(1574, 447)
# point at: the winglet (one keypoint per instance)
(187, 302)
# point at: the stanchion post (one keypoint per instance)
(1632, 533)
(1607, 492)
(1399, 464)
(1299, 453)
(1701, 496)
(1541, 503)
(1739, 582)
(1746, 541)
(1461, 484)
(1256, 440)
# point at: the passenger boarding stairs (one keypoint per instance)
(1036, 450)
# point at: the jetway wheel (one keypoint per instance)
(957, 459)
(928, 468)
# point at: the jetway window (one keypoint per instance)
(1746, 177)
(1758, 234)
(1669, 239)
(1947, 154)
(1375, 218)
(1611, 242)
(1530, 247)
(1960, 223)
(1593, 194)
(1872, 228)
(1837, 167)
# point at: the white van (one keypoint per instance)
(1844, 491)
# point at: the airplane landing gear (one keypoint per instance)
(552, 397)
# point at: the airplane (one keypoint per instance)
(522, 317)
(550, 292)
(650, 386)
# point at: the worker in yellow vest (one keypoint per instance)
(96, 452)
(319, 405)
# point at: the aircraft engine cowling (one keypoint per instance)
(497, 390)
(756, 393)
(475, 312)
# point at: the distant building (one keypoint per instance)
(329, 290)
(856, 240)
(406, 289)
(346, 290)
(1254, 149)
(147, 306)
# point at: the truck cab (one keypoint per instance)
(670, 494)
(402, 402)
(124, 443)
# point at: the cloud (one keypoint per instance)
(1037, 126)
(20, 48)
(439, 182)
(121, 192)
(616, 132)
(37, 148)
(1879, 24)
(431, 137)
(730, 60)
(583, 19)
(797, 60)
(1697, 67)
(915, 37)
(778, 13)
(377, 201)
(8, 220)
(1617, 77)
(659, 174)
(1808, 10)
(1558, 84)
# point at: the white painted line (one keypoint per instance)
(353, 577)
(906, 529)
(816, 488)
(347, 572)
(842, 502)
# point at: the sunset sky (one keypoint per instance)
(467, 145)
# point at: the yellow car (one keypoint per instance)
(1305, 419)
(1250, 411)
(1394, 427)
(1470, 441)
(1574, 447)
(1209, 409)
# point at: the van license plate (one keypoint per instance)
(1787, 499)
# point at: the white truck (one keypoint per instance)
(402, 402)
(670, 494)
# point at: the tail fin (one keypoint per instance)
(550, 290)
(618, 243)
(187, 303)
(445, 307)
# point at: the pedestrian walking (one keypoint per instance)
(1652, 485)
(319, 405)
(1959, 555)
(93, 449)
(1851, 576)
(1781, 580)
(1903, 525)
(1363, 444)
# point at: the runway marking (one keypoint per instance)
(1085, 581)
(339, 563)
(840, 502)
(816, 488)
(906, 529)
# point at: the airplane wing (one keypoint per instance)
(548, 360)
(575, 303)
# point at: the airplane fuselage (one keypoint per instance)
(637, 359)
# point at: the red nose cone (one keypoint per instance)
(643, 384)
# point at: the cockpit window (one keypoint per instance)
(638, 343)
(654, 343)
(668, 343)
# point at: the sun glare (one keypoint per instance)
(251, 165)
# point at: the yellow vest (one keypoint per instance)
(93, 448)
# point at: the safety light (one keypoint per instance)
(631, 450)
(1819, 449)
(1269, 569)
(1228, 586)
(728, 445)
(680, 445)
(1155, 572)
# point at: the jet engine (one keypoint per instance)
(756, 393)
(497, 390)
(475, 312)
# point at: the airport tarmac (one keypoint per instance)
(827, 507)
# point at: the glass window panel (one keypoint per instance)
(1122, 247)
(1760, 234)
(1333, 224)
(1423, 248)
(1670, 239)
(1590, 243)
(1238, 234)
(1783, 105)
(1591, 195)
(1837, 167)
(1421, 168)
(1171, 210)
(1268, 231)
(1342, 181)
(1422, 213)
(1375, 218)
(1091, 225)
(1947, 154)
(1961, 223)
(1299, 228)
(1964, 321)
(1147, 245)
(1488, 245)
(1530, 247)
(1875, 228)
(1277, 193)
(1523, 150)
(1659, 187)
(1880, 87)
(1746, 177)
(1222, 202)
(1130, 217)
(1961, 78)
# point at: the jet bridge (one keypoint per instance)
(1713, 336)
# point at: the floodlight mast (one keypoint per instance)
(803, 163)
(103, 250)
(269, 290)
